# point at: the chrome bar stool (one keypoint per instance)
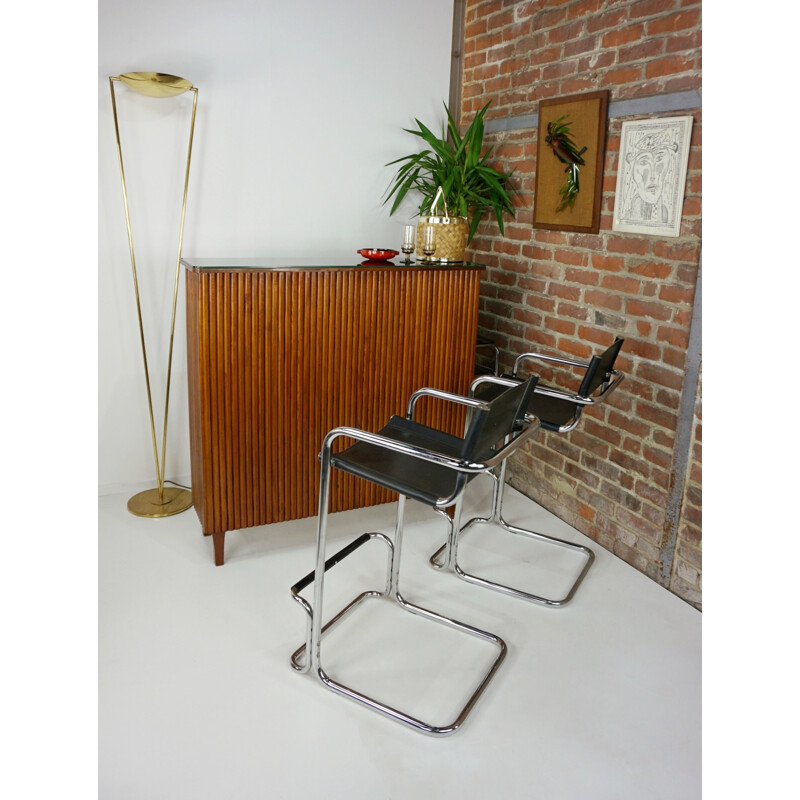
(429, 466)
(557, 411)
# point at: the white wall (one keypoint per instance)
(300, 106)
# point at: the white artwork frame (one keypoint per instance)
(651, 175)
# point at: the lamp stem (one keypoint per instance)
(136, 289)
(175, 296)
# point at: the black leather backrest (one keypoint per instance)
(491, 426)
(598, 369)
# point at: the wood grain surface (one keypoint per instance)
(277, 358)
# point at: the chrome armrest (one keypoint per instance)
(491, 379)
(570, 362)
(449, 396)
(605, 389)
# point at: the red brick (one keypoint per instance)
(580, 46)
(581, 276)
(528, 317)
(546, 304)
(651, 494)
(689, 41)
(602, 432)
(596, 297)
(618, 283)
(630, 464)
(671, 65)
(532, 284)
(562, 326)
(584, 8)
(570, 310)
(558, 33)
(547, 56)
(573, 348)
(641, 308)
(565, 292)
(643, 51)
(632, 446)
(559, 70)
(648, 8)
(628, 244)
(617, 77)
(484, 72)
(551, 237)
(675, 358)
(571, 257)
(677, 294)
(609, 263)
(660, 376)
(674, 22)
(586, 240)
(652, 269)
(692, 207)
(614, 18)
(622, 35)
(642, 349)
(678, 337)
(577, 85)
(475, 28)
(656, 415)
(597, 61)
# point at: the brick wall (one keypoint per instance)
(571, 292)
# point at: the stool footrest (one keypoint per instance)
(332, 561)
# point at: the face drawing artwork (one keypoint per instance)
(651, 165)
(651, 180)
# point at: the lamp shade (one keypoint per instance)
(155, 84)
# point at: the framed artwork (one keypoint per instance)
(569, 162)
(651, 176)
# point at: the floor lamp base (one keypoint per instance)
(147, 503)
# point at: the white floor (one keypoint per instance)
(600, 699)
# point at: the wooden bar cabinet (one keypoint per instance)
(280, 352)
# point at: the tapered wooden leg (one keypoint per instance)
(219, 548)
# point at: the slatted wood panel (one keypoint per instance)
(276, 358)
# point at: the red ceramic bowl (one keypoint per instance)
(377, 253)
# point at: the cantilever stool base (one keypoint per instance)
(439, 559)
(301, 663)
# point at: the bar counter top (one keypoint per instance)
(311, 262)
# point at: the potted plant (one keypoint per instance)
(454, 168)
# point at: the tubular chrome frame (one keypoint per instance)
(450, 547)
(308, 656)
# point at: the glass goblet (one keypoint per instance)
(429, 243)
(408, 242)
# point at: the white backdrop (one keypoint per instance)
(300, 106)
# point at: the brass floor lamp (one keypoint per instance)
(161, 501)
